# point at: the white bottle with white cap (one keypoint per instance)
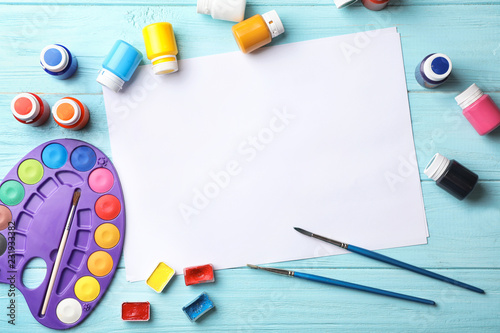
(228, 10)
(343, 3)
(30, 109)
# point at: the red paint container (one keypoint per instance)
(199, 274)
(375, 4)
(136, 311)
(30, 109)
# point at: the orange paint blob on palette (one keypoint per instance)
(65, 204)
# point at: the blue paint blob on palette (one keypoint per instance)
(35, 200)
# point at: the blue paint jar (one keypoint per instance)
(57, 61)
(433, 70)
(119, 65)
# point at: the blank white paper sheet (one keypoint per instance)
(219, 161)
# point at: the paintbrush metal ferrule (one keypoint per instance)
(324, 239)
(273, 270)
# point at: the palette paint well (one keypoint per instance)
(35, 198)
(160, 277)
(198, 307)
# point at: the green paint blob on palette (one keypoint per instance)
(38, 209)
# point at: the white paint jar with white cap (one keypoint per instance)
(227, 10)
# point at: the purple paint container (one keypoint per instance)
(37, 195)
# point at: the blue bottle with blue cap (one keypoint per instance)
(119, 65)
(58, 61)
(433, 70)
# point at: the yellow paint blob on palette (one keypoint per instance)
(160, 277)
(80, 240)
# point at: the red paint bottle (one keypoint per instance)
(30, 109)
(375, 4)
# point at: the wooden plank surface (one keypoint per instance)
(463, 242)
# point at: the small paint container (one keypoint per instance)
(375, 4)
(479, 109)
(343, 3)
(433, 70)
(198, 307)
(161, 47)
(451, 176)
(57, 61)
(160, 277)
(257, 31)
(70, 113)
(119, 65)
(136, 311)
(30, 109)
(227, 10)
(199, 274)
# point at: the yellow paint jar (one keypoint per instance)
(257, 31)
(161, 47)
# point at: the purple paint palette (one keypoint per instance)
(35, 201)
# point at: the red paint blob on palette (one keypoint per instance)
(136, 311)
(64, 204)
(199, 274)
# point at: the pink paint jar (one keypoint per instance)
(30, 109)
(479, 109)
(375, 4)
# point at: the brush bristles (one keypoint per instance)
(76, 196)
(253, 266)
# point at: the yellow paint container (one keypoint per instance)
(160, 277)
(161, 47)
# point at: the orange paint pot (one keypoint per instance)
(70, 113)
(257, 31)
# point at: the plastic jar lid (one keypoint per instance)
(436, 167)
(165, 67)
(110, 80)
(25, 107)
(437, 67)
(274, 23)
(469, 96)
(343, 3)
(204, 7)
(54, 58)
(66, 112)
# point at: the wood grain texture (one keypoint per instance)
(464, 235)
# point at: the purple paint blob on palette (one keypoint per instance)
(37, 196)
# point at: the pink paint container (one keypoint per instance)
(479, 109)
(375, 4)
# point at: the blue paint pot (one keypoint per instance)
(119, 65)
(57, 61)
(434, 70)
(198, 307)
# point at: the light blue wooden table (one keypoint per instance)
(464, 236)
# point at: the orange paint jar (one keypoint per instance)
(70, 113)
(257, 31)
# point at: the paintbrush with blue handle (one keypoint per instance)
(394, 262)
(339, 283)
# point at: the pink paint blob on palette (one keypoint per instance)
(35, 200)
